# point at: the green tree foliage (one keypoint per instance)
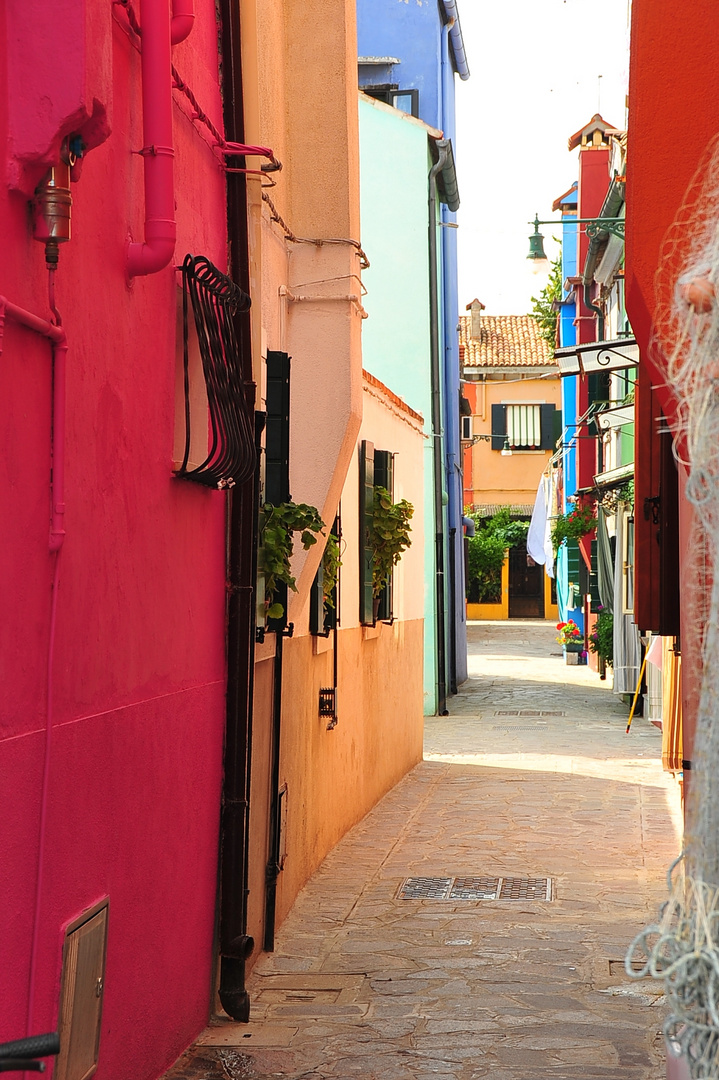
(545, 306)
(601, 639)
(486, 554)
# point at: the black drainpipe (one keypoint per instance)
(235, 943)
(593, 307)
(437, 436)
(273, 862)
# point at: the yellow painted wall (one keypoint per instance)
(494, 611)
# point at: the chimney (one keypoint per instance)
(476, 308)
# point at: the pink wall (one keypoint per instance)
(139, 668)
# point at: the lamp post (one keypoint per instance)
(594, 228)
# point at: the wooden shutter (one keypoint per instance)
(548, 437)
(83, 975)
(499, 426)
(366, 499)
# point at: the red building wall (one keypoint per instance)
(139, 667)
(673, 63)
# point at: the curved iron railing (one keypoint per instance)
(231, 454)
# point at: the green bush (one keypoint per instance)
(486, 555)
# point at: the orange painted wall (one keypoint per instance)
(498, 479)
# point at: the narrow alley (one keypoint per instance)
(532, 796)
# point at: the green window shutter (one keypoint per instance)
(546, 414)
(366, 499)
(499, 426)
(596, 600)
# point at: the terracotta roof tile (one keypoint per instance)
(505, 341)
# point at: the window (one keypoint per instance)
(376, 470)
(405, 100)
(628, 567)
(466, 428)
(526, 427)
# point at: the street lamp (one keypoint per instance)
(594, 228)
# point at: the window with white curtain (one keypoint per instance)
(524, 427)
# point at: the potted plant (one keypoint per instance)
(572, 638)
(573, 526)
(389, 537)
(601, 638)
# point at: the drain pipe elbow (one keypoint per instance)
(158, 152)
(183, 19)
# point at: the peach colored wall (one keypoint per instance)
(335, 777)
(514, 479)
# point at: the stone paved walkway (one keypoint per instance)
(532, 775)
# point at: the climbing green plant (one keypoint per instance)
(331, 562)
(389, 535)
(278, 524)
(545, 306)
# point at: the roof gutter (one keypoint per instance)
(445, 172)
(455, 36)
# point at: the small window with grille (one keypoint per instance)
(466, 427)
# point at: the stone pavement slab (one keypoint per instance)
(530, 776)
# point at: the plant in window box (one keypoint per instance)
(390, 536)
(573, 526)
(570, 636)
(276, 541)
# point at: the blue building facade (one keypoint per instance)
(409, 55)
(566, 571)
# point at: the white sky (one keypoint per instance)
(534, 81)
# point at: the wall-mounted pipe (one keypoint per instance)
(158, 152)
(56, 335)
(183, 19)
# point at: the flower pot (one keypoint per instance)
(571, 652)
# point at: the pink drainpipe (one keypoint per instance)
(56, 334)
(183, 18)
(158, 153)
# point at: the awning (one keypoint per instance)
(598, 356)
(615, 477)
(615, 418)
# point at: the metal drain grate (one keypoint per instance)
(519, 727)
(475, 888)
(425, 888)
(527, 712)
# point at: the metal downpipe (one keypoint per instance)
(437, 436)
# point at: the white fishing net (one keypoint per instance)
(682, 949)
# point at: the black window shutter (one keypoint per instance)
(384, 477)
(317, 604)
(499, 426)
(546, 420)
(277, 452)
(277, 431)
(366, 498)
